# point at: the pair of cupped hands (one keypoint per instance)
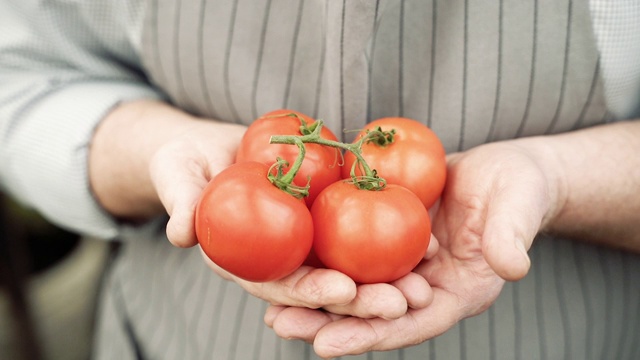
(498, 196)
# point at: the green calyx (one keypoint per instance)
(380, 137)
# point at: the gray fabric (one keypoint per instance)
(578, 302)
(473, 72)
(516, 68)
(50, 49)
(618, 36)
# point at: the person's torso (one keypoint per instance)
(473, 71)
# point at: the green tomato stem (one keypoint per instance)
(355, 148)
(288, 177)
(285, 181)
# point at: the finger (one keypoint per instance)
(350, 336)
(301, 323)
(179, 190)
(433, 247)
(434, 209)
(513, 220)
(415, 289)
(271, 313)
(306, 287)
(181, 225)
(373, 300)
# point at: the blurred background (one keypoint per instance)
(49, 283)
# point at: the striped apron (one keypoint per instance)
(473, 71)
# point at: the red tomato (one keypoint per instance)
(371, 236)
(320, 162)
(415, 159)
(251, 228)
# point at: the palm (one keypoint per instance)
(477, 223)
(459, 269)
(493, 205)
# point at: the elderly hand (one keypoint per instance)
(181, 168)
(497, 198)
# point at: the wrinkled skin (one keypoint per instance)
(496, 199)
(180, 168)
(147, 158)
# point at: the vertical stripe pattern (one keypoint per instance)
(341, 72)
(473, 71)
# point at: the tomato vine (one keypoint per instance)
(368, 181)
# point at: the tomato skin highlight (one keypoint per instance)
(371, 236)
(415, 160)
(320, 162)
(251, 228)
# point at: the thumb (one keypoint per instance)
(179, 190)
(181, 224)
(513, 220)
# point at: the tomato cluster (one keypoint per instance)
(366, 216)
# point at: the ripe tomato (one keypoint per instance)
(320, 162)
(251, 228)
(371, 236)
(415, 159)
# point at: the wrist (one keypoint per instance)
(596, 174)
(121, 150)
(544, 152)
